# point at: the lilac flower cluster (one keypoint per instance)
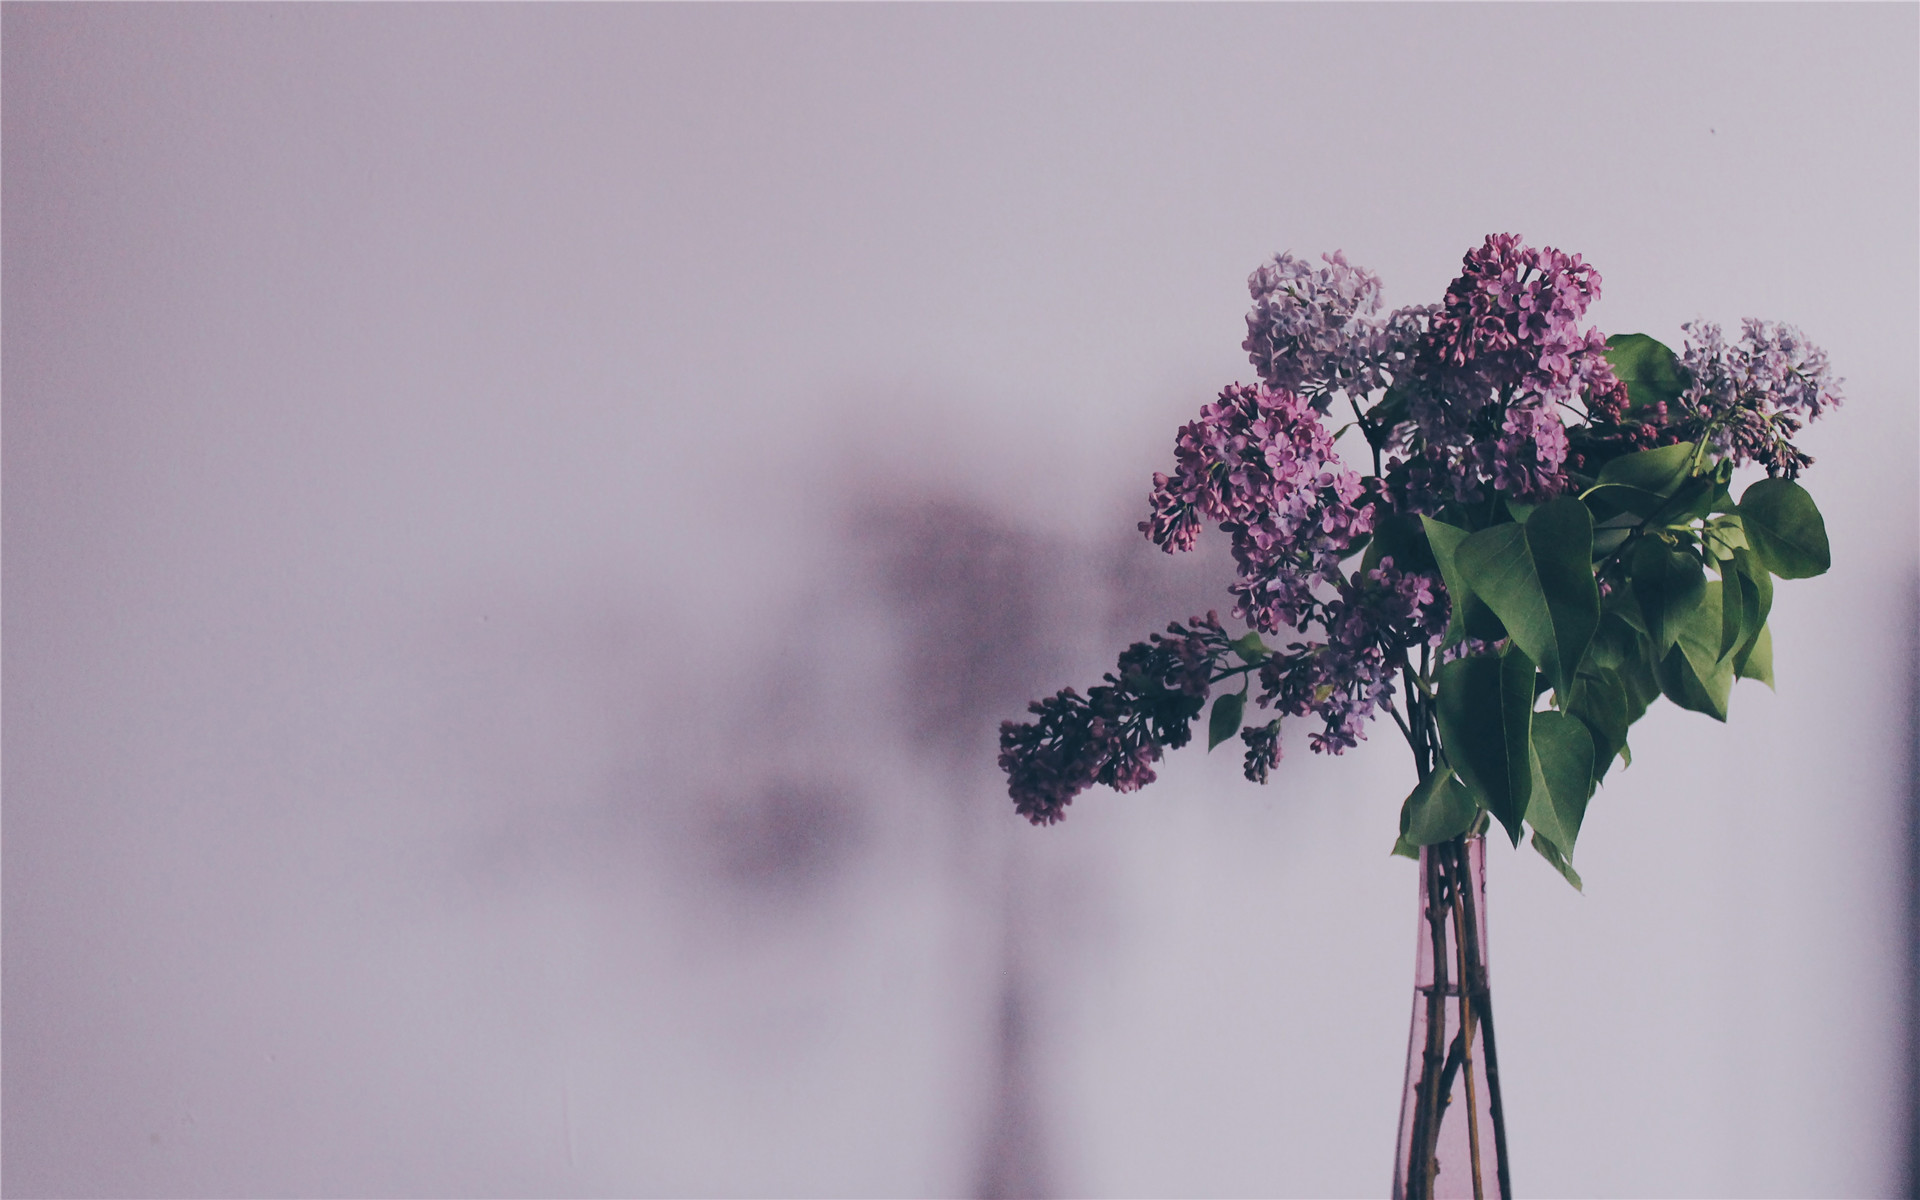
(1513, 315)
(1475, 389)
(1309, 331)
(1750, 398)
(1119, 729)
(1263, 750)
(1490, 372)
(1349, 677)
(1261, 465)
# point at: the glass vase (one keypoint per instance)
(1453, 1140)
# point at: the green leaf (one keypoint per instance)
(1439, 809)
(1562, 766)
(1724, 536)
(1619, 498)
(1701, 634)
(1225, 721)
(1755, 576)
(1756, 660)
(1690, 503)
(1743, 576)
(1785, 529)
(1658, 472)
(1557, 860)
(1616, 639)
(1471, 617)
(1538, 579)
(1640, 681)
(1753, 610)
(1606, 541)
(1560, 534)
(1651, 372)
(1485, 708)
(1722, 501)
(1250, 648)
(1622, 604)
(1733, 615)
(1498, 567)
(1680, 683)
(1600, 702)
(1666, 584)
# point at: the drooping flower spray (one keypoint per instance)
(1521, 574)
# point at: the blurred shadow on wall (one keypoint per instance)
(993, 617)
(971, 596)
(978, 604)
(893, 663)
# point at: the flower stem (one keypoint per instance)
(1427, 1105)
(1452, 909)
(1476, 974)
(1466, 1034)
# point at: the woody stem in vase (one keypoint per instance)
(1451, 1061)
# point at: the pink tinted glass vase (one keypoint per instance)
(1453, 1140)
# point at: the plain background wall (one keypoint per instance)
(520, 524)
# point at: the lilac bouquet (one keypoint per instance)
(1520, 575)
(1543, 508)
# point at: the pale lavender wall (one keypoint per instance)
(520, 523)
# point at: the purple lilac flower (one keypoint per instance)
(1119, 729)
(1526, 459)
(1309, 330)
(1749, 399)
(1513, 315)
(1425, 479)
(1261, 465)
(1467, 647)
(1263, 750)
(1395, 342)
(1348, 678)
(1498, 359)
(1779, 363)
(1605, 397)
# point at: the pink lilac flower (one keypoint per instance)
(1513, 315)
(1499, 358)
(1260, 464)
(1425, 479)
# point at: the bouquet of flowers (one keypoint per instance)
(1546, 544)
